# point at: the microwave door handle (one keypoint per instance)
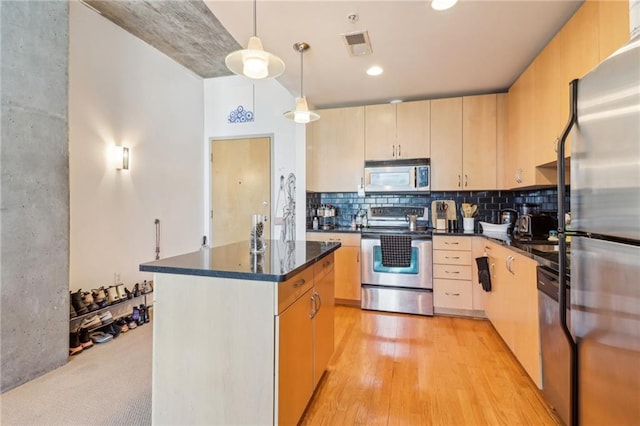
(413, 176)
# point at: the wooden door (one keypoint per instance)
(479, 142)
(323, 321)
(413, 129)
(380, 132)
(240, 185)
(446, 144)
(348, 274)
(502, 139)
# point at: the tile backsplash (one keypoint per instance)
(489, 202)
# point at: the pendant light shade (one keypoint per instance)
(254, 62)
(301, 114)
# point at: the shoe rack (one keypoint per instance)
(118, 310)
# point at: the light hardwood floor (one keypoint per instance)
(391, 369)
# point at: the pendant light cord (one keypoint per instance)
(255, 25)
(301, 72)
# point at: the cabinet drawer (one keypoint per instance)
(346, 238)
(452, 272)
(452, 294)
(289, 291)
(450, 257)
(442, 242)
(323, 267)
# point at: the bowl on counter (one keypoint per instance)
(494, 228)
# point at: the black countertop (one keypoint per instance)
(542, 251)
(279, 262)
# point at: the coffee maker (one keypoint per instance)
(509, 216)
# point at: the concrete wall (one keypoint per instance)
(124, 92)
(221, 97)
(34, 230)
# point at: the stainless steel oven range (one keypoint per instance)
(386, 286)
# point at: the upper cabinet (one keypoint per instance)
(336, 143)
(539, 99)
(397, 131)
(446, 144)
(463, 143)
(479, 136)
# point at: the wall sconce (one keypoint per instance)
(121, 157)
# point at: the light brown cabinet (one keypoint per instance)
(336, 143)
(464, 141)
(512, 305)
(323, 321)
(397, 131)
(347, 265)
(479, 133)
(446, 144)
(539, 99)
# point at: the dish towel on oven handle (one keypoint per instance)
(395, 250)
(484, 277)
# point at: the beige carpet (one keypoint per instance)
(108, 384)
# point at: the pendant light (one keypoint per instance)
(254, 62)
(301, 114)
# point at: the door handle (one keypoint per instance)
(452, 294)
(466, 183)
(459, 181)
(314, 310)
(399, 150)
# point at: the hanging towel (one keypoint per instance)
(484, 277)
(395, 250)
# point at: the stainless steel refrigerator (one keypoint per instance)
(605, 249)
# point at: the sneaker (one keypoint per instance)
(136, 290)
(90, 322)
(74, 343)
(136, 316)
(100, 297)
(72, 312)
(85, 340)
(122, 323)
(131, 323)
(87, 298)
(113, 330)
(106, 316)
(100, 337)
(122, 294)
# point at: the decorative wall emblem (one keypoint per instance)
(240, 115)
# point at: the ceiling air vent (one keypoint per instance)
(358, 43)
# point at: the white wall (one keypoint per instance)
(221, 96)
(122, 91)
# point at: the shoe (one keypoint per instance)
(122, 294)
(90, 322)
(106, 317)
(87, 298)
(113, 329)
(78, 303)
(122, 323)
(146, 287)
(136, 290)
(136, 316)
(131, 323)
(100, 298)
(74, 343)
(85, 340)
(72, 312)
(112, 295)
(100, 337)
(146, 313)
(129, 294)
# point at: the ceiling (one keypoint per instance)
(478, 46)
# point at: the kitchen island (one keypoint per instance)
(241, 338)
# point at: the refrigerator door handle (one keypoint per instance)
(562, 247)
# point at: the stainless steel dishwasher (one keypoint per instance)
(554, 348)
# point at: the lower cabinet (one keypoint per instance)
(512, 305)
(295, 359)
(347, 264)
(453, 279)
(305, 337)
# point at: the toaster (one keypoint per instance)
(534, 226)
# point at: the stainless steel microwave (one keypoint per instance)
(398, 176)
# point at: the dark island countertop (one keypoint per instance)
(279, 262)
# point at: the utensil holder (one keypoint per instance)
(468, 223)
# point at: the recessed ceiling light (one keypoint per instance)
(443, 4)
(374, 70)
